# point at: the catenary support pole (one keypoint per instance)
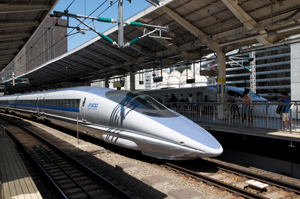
(120, 24)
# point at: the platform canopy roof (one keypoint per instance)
(18, 21)
(197, 28)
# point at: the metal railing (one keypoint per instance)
(250, 115)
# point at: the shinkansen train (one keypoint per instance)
(124, 118)
(209, 93)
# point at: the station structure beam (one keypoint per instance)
(4, 26)
(13, 36)
(90, 62)
(23, 8)
(45, 74)
(107, 59)
(171, 47)
(5, 60)
(10, 51)
(245, 19)
(205, 39)
(81, 66)
(115, 51)
(9, 44)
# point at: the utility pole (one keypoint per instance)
(251, 69)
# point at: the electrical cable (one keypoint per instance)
(91, 22)
(70, 5)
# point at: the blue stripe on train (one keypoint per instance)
(60, 108)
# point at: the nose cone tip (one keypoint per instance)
(214, 152)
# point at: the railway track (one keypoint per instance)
(234, 180)
(66, 176)
(226, 179)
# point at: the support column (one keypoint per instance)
(221, 84)
(106, 84)
(221, 77)
(132, 81)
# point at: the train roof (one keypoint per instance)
(214, 88)
(88, 89)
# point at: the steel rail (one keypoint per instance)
(54, 186)
(222, 185)
(271, 181)
(90, 172)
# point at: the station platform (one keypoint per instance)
(293, 136)
(15, 180)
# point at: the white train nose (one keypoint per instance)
(195, 141)
(213, 152)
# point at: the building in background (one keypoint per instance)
(48, 42)
(277, 71)
(273, 72)
(295, 72)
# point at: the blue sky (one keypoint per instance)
(86, 7)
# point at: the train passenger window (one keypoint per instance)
(65, 103)
(73, 103)
(77, 101)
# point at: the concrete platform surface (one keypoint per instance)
(16, 181)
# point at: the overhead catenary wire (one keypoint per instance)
(70, 5)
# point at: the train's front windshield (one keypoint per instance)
(140, 102)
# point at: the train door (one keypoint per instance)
(83, 108)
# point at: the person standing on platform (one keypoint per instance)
(181, 106)
(191, 98)
(173, 98)
(250, 109)
(245, 101)
(181, 99)
(285, 110)
(237, 100)
(165, 100)
(199, 97)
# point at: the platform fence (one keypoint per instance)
(249, 115)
